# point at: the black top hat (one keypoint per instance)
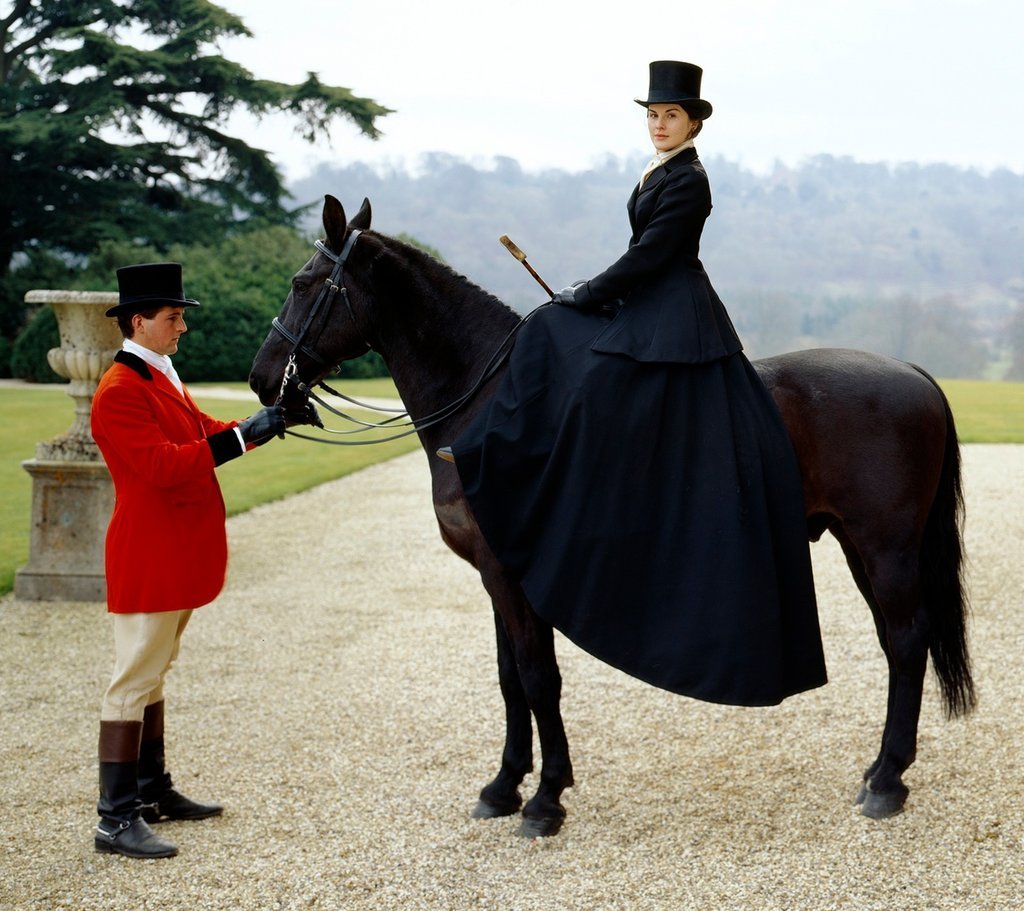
(150, 285)
(673, 81)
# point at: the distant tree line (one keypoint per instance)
(918, 261)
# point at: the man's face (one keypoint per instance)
(161, 333)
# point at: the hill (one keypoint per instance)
(919, 261)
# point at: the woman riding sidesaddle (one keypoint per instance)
(632, 470)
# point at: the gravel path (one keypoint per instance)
(340, 698)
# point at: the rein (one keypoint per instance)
(401, 418)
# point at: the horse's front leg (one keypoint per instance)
(542, 684)
(501, 797)
(530, 683)
(529, 671)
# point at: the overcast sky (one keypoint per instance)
(551, 83)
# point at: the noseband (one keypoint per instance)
(325, 300)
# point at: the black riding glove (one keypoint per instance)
(305, 415)
(261, 426)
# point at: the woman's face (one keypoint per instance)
(669, 126)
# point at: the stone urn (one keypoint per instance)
(72, 494)
(88, 342)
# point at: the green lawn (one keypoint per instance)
(986, 412)
(280, 468)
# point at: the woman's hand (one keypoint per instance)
(567, 296)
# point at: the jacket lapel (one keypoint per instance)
(687, 156)
(655, 178)
(161, 384)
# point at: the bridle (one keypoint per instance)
(333, 285)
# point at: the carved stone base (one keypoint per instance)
(71, 507)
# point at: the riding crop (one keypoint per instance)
(521, 256)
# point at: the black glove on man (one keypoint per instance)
(306, 415)
(261, 426)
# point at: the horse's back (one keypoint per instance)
(844, 377)
(865, 427)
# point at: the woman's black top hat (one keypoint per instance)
(675, 82)
(150, 285)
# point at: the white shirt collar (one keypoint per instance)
(661, 157)
(160, 361)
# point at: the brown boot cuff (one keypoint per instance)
(119, 741)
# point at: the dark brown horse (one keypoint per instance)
(874, 437)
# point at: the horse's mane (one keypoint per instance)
(408, 273)
(420, 298)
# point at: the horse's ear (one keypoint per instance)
(361, 219)
(334, 222)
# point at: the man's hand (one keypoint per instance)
(306, 415)
(261, 426)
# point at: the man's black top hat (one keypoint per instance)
(675, 82)
(150, 285)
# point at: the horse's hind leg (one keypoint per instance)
(501, 797)
(889, 582)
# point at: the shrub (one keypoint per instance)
(28, 357)
(5, 358)
(36, 269)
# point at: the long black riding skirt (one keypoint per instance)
(653, 513)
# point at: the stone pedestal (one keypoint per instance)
(71, 506)
(72, 494)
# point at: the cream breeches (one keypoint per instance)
(145, 646)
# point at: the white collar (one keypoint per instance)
(160, 361)
(661, 157)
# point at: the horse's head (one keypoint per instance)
(317, 327)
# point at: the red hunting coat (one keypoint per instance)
(166, 546)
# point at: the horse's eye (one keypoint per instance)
(299, 287)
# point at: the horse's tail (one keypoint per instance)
(942, 577)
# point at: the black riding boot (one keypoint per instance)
(159, 799)
(121, 830)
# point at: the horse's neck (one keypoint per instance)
(438, 344)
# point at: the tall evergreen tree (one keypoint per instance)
(112, 127)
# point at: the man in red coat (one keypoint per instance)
(166, 547)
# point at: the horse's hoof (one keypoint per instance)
(879, 806)
(497, 800)
(540, 828)
(485, 810)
